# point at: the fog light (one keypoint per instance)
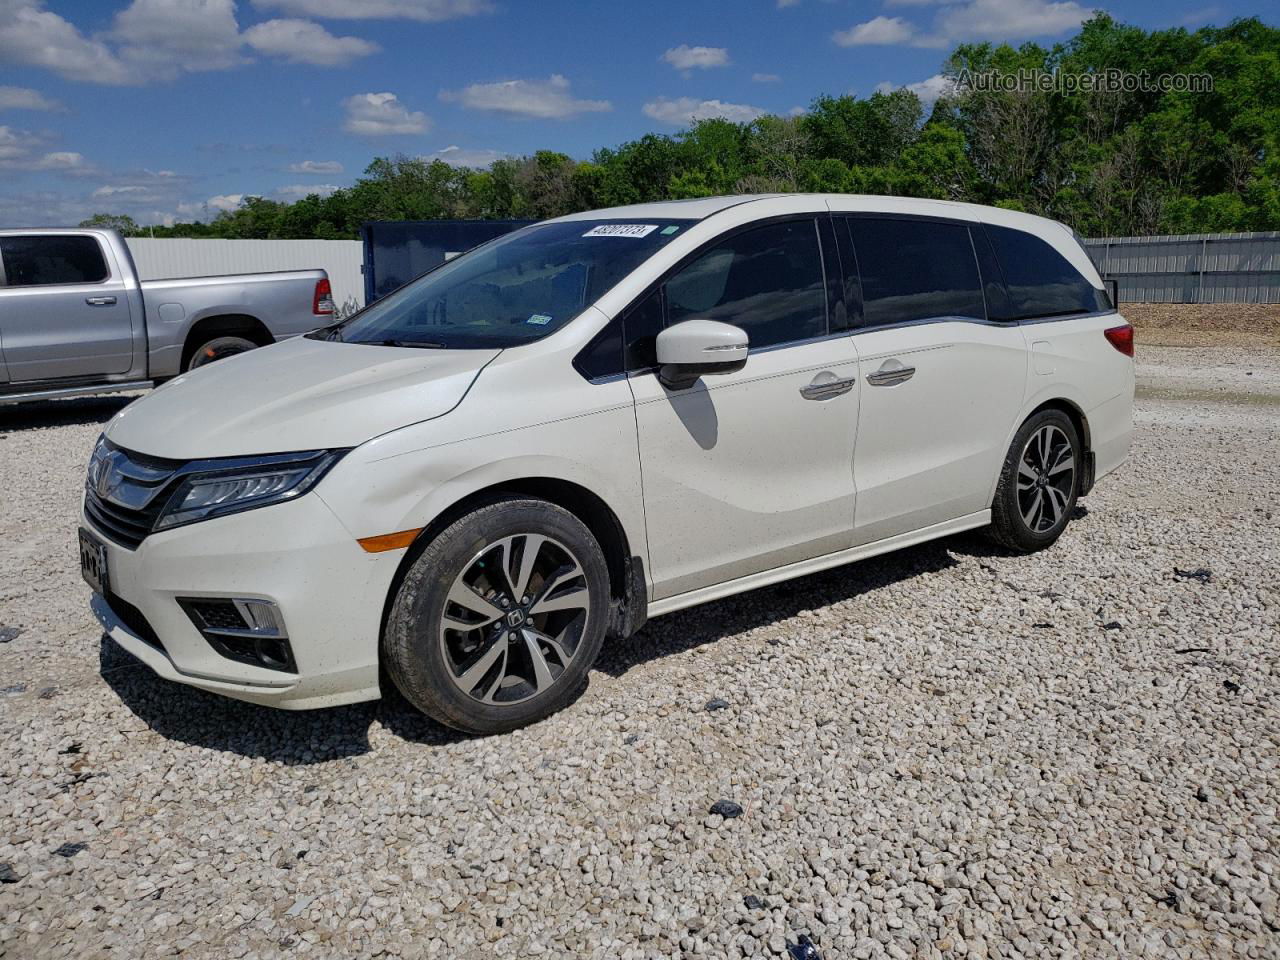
(245, 630)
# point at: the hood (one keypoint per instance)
(297, 395)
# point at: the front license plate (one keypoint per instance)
(93, 562)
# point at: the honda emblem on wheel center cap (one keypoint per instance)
(515, 618)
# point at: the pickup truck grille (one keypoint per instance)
(125, 493)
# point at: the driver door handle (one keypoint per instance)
(826, 386)
(100, 301)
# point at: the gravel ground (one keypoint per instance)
(947, 752)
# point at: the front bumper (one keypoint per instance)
(330, 592)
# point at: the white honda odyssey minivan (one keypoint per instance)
(479, 479)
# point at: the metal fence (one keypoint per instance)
(1196, 268)
(161, 258)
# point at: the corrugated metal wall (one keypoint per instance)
(159, 259)
(1196, 268)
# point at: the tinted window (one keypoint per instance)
(641, 327)
(1041, 281)
(915, 270)
(998, 306)
(515, 289)
(768, 281)
(36, 261)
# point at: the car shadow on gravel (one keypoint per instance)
(61, 413)
(687, 629)
(293, 737)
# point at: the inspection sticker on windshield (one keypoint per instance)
(539, 320)
(622, 230)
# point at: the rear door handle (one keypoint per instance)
(826, 386)
(100, 301)
(891, 373)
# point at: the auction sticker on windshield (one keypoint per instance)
(622, 230)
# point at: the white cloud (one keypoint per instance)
(170, 36)
(765, 78)
(783, 4)
(994, 20)
(296, 191)
(301, 41)
(226, 202)
(927, 90)
(685, 57)
(24, 98)
(321, 167)
(382, 114)
(33, 36)
(1009, 19)
(426, 11)
(880, 31)
(457, 156)
(683, 110)
(24, 150)
(151, 40)
(548, 100)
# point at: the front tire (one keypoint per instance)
(497, 622)
(1039, 483)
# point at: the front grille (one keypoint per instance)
(125, 493)
(126, 527)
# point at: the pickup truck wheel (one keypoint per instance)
(498, 621)
(217, 349)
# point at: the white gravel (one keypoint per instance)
(943, 753)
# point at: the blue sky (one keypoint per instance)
(169, 109)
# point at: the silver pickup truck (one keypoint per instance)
(76, 320)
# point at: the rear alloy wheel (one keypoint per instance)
(498, 621)
(219, 348)
(1038, 483)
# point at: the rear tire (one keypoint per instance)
(219, 348)
(497, 622)
(1039, 483)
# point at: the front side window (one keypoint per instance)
(1041, 281)
(45, 261)
(915, 270)
(767, 280)
(513, 290)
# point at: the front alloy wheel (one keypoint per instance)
(499, 618)
(513, 619)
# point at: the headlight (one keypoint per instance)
(214, 488)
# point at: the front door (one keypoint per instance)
(64, 315)
(751, 470)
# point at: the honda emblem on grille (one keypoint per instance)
(108, 478)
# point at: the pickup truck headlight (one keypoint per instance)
(214, 488)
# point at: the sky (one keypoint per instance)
(175, 109)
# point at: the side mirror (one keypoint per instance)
(696, 347)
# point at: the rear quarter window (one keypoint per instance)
(1041, 281)
(45, 261)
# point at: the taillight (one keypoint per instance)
(1121, 338)
(322, 303)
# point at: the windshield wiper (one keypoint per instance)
(421, 344)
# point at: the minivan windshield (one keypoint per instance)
(512, 290)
